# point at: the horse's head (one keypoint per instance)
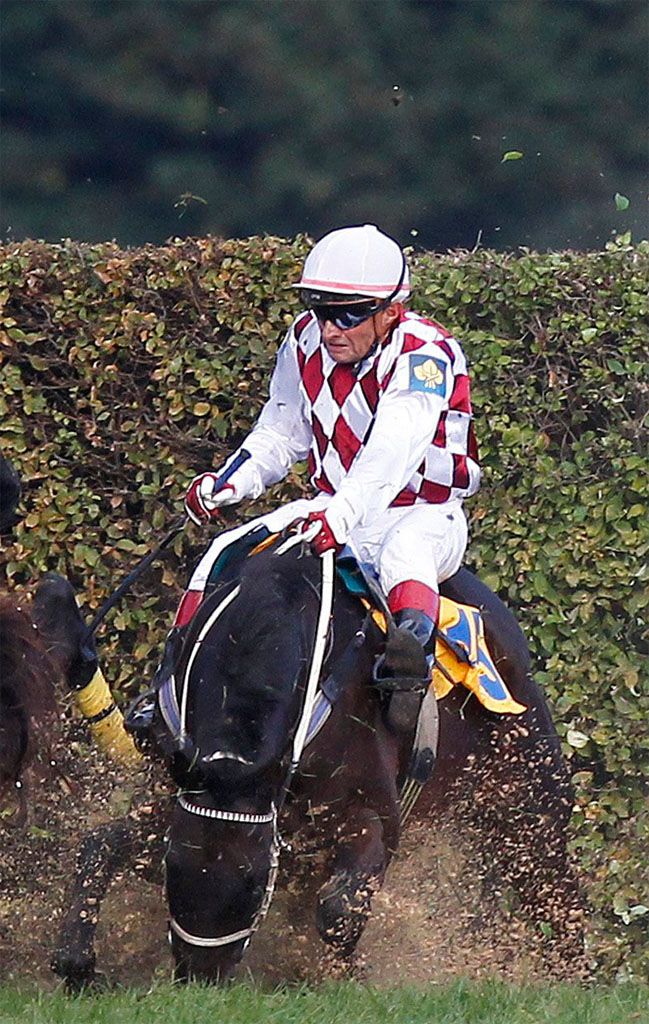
(220, 873)
(241, 681)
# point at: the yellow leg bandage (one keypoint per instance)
(96, 704)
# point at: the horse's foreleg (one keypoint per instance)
(358, 869)
(102, 853)
(60, 624)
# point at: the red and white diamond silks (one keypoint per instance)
(391, 432)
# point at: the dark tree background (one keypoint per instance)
(139, 120)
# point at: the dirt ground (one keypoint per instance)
(429, 922)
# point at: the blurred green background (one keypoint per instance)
(141, 120)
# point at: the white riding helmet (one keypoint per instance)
(353, 264)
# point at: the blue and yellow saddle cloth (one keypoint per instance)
(462, 657)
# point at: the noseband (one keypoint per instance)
(234, 817)
(213, 812)
(299, 740)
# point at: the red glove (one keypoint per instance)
(202, 502)
(324, 539)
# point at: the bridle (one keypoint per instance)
(234, 817)
(299, 740)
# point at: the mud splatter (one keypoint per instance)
(435, 919)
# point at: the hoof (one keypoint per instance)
(343, 906)
(78, 973)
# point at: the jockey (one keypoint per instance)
(376, 397)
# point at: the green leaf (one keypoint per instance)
(576, 739)
(512, 154)
(639, 910)
(621, 202)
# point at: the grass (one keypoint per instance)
(344, 1003)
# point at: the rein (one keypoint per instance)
(201, 636)
(299, 740)
(322, 629)
(145, 562)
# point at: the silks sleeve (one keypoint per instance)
(282, 434)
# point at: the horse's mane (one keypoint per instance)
(273, 589)
(268, 578)
(26, 676)
(247, 669)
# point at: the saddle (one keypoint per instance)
(461, 656)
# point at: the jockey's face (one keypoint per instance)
(351, 346)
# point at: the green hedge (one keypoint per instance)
(124, 372)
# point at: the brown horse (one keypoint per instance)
(229, 721)
(27, 702)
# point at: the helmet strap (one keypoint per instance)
(396, 291)
(371, 350)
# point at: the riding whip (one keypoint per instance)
(144, 564)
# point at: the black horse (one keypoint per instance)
(233, 716)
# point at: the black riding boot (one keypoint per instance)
(414, 621)
(403, 665)
(402, 671)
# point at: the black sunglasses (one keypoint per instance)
(347, 317)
